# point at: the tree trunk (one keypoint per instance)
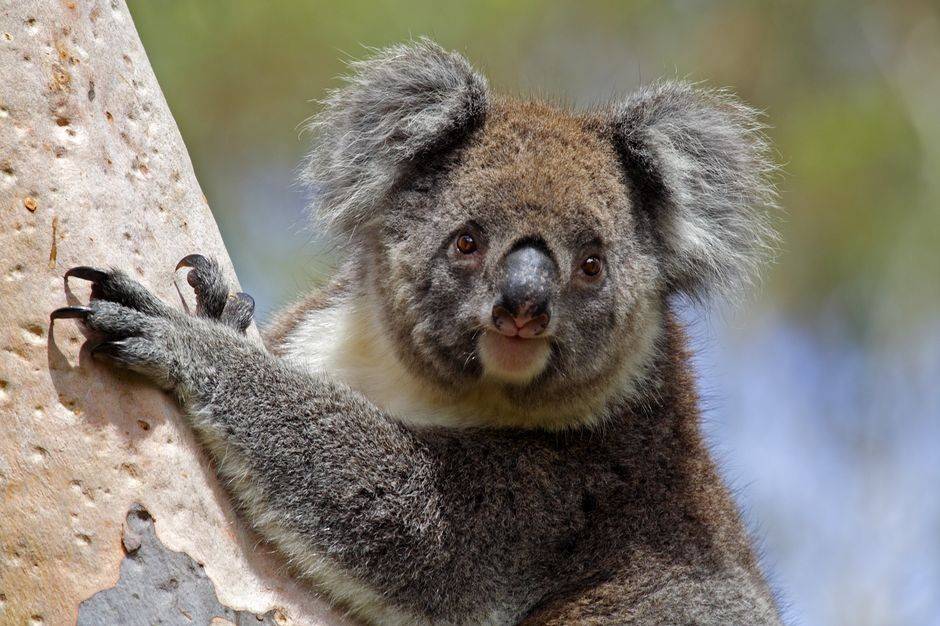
(105, 493)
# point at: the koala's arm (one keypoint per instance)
(357, 501)
(317, 469)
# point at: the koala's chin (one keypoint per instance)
(514, 360)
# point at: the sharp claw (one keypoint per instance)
(108, 349)
(191, 260)
(86, 273)
(66, 312)
(248, 300)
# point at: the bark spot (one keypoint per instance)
(132, 470)
(54, 250)
(39, 455)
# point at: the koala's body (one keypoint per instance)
(489, 416)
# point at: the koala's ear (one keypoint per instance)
(700, 172)
(405, 103)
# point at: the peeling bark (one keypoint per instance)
(159, 586)
(93, 171)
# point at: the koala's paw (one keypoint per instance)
(134, 329)
(137, 330)
(213, 298)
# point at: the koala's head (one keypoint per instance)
(515, 247)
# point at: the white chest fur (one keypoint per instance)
(346, 341)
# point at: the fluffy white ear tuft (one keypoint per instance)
(700, 169)
(406, 102)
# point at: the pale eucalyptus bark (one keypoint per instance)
(93, 171)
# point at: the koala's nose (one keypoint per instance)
(524, 305)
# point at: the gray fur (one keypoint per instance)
(209, 285)
(582, 495)
(699, 162)
(405, 102)
(454, 526)
(239, 311)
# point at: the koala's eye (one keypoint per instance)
(592, 266)
(466, 244)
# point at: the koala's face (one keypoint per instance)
(518, 261)
(524, 250)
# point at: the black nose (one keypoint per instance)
(524, 304)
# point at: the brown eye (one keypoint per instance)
(466, 244)
(591, 266)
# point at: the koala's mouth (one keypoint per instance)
(515, 360)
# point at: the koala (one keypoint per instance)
(488, 416)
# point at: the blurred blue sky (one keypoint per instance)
(832, 450)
